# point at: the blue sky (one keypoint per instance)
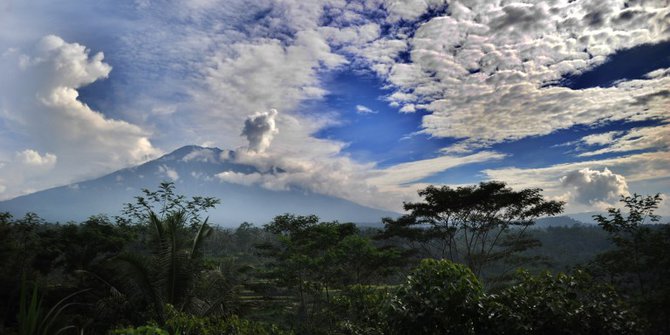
(374, 99)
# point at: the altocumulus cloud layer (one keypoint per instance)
(482, 73)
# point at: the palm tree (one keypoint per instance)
(168, 273)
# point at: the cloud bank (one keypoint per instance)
(41, 110)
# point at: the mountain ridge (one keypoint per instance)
(193, 169)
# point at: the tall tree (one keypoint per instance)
(640, 264)
(314, 260)
(165, 201)
(477, 225)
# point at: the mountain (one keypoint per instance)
(193, 170)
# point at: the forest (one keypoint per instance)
(465, 260)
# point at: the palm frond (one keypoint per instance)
(136, 272)
(203, 232)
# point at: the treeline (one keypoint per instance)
(462, 261)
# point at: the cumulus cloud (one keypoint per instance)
(260, 129)
(596, 188)
(40, 108)
(33, 158)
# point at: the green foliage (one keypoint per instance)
(174, 275)
(188, 324)
(477, 225)
(313, 260)
(361, 309)
(142, 330)
(439, 297)
(80, 247)
(325, 254)
(561, 304)
(29, 311)
(167, 276)
(164, 202)
(640, 208)
(33, 320)
(640, 264)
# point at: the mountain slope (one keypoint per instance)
(193, 170)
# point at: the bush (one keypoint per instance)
(561, 304)
(439, 297)
(187, 324)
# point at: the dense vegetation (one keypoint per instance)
(463, 261)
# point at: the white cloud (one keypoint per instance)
(407, 173)
(360, 109)
(330, 175)
(409, 9)
(33, 158)
(260, 129)
(262, 74)
(205, 155)
(602, 189)
(40, 108)
(639, 171)
(341, 177)
(656, 138)
(168, 172)
(600, 139)
(482, 70)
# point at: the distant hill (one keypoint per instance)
(193, 169)
(557, 221)
(586, 217)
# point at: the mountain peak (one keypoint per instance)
(184, 151)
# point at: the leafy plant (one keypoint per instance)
(561, 304)
(33, 320)
(188, 324)
(639, 266)
(142, 330)
(164, 202)
(167, 276)
(438, 297)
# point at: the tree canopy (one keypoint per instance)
(477, 224)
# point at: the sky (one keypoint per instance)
(363, 100)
